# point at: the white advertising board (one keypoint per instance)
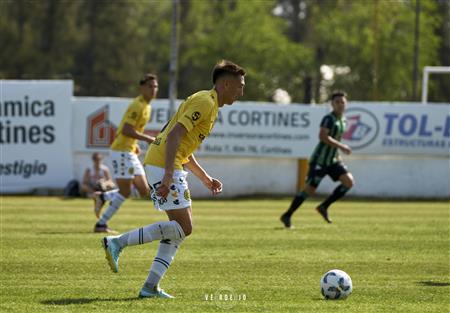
(264, 130)
(96, 120)
(35, 135)
(413, 129)
(267, 130)
(42, 128)
(243, 129)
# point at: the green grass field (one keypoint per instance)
(397, 254)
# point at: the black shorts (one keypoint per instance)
(317, 172)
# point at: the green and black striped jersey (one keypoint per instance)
(324, 154)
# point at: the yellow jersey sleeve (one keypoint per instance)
(133, 114)
(194, 114)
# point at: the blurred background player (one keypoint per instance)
(326, 160)
(127, 169)
(166, 159)
(94, 176)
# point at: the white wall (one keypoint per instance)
(398, 177)
(248, 176)
(381, 176)
(400, 150)
(35, 134)
(255, 144)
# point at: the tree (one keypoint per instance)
(247, 33)
(110, 58)
(106, 45)
(39, 38)
(439, 90)
(373, 39)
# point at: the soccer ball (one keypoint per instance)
(336, 284)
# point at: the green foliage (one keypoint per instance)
(395, 252)
(382, 44)
(39, 38)
(106, 45)
(247, 34)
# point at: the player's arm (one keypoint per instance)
(107, 174)
(324, 136)
(212, 184)
(173, 143)
(86, 185)
(129, 131)
(86, 177)
(186, 123)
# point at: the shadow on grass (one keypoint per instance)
(433, 283)
(70, 301)
(63, 232)
(282, 228)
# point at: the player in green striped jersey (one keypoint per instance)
(326, 160)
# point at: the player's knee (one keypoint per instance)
(310, 190)
(125, 193)
(144, 192)
(350, 183)
(187, 229)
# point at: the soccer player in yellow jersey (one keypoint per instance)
(165, 163)
(127, 169)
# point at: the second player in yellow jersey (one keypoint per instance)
(127, 169)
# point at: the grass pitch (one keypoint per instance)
(397, 254)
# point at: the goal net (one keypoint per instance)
(427, 70)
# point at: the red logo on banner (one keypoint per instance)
(100, 131)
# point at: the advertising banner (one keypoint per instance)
(398, 129)
(264, 130)
(43, 129)
(35, 135)
(268, 130)
(243, 129)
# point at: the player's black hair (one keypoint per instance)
(146, 78)
(226, 67)
(338, 93)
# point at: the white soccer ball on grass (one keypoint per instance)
(336, 285)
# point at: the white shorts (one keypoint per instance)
(125, 165)
(179, 196)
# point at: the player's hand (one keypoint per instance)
(346, 149)
(164, 189)
(213, 184)
(137, 150)
(216, 186)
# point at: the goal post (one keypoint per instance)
(427, 70)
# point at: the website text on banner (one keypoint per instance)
(266, 130)
(244, 129)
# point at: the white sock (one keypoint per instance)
(157, 231)
(109, 195)
(164, 257)
(115, 204)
